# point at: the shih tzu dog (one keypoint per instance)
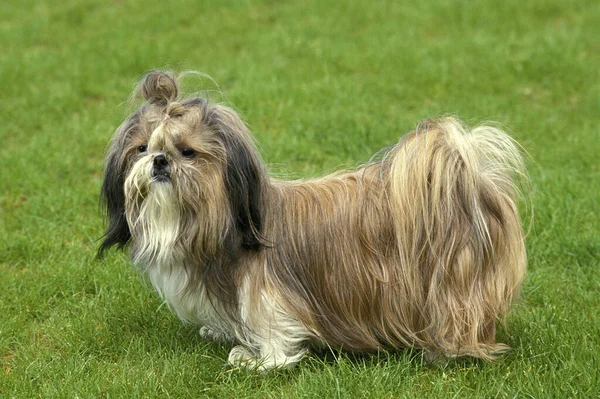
(420, 248)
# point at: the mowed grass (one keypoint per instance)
(322, 85)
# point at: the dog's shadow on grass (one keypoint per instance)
(339, 362)
(416, 358)
(159, 333)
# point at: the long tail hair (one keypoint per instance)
(454, 196)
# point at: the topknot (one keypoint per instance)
(159, 87)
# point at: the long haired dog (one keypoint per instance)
(423, 248)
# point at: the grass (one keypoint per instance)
(322, 85)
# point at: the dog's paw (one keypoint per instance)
(434, 357)
(209, 333)
(240, 356)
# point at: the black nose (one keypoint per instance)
(160, 162)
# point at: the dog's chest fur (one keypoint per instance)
(190, 304)
(157, 255)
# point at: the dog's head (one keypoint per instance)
(181, 172)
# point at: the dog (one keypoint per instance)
(421, 248)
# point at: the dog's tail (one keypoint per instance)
(454, 195)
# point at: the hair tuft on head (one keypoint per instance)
(159, 87)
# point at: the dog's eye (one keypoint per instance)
(142, 148)
(188, 152)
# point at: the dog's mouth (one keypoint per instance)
(161, 176)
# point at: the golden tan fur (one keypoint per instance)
(423, 248)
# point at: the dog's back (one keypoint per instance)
(424, 248)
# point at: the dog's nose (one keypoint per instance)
(160, 162)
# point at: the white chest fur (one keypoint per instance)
(191, 304)
(155, 229)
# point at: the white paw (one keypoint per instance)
(209, 333)
(240, 356)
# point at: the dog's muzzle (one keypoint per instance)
(161, 171)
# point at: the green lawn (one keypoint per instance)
(322, 85)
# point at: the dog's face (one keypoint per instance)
(181, 170)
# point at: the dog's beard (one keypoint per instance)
(153, 215)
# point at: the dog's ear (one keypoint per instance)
(243, 173)
(158, 87)
(113, 192)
